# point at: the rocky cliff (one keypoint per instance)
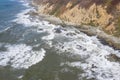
(104, 14)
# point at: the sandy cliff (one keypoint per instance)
(102, 15)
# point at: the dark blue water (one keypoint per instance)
(8, 10)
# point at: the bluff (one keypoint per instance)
(102, 17)
(104, 14)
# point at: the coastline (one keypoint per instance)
(44, 45)
(104, 38)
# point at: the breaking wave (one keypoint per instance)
(20, 56)
(94, 56)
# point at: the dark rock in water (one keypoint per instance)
(40, 29)
(84, 49)
(70, 34)
(93, 66)
(78, 32)
(63, 29)
(113, 58)
(57, 30)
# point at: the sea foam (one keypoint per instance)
(20, 56)
(93, 54)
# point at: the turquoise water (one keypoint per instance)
(34, 49)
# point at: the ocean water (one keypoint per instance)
(33, 49)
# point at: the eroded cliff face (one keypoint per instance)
(102, 13)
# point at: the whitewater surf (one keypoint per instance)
(34, 49)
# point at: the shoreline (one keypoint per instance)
(104, 38)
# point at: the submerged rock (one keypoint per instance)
(57, 30)
(114, 58)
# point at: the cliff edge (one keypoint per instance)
(102, 14)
